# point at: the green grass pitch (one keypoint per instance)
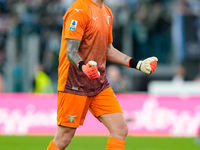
(98, 143)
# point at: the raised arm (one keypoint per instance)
(147, 66)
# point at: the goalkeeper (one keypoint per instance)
(86, 45)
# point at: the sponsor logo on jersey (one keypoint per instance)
(73, 25)
(71, 119)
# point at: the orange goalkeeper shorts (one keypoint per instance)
(72, 108)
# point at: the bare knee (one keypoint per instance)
(116, 125)
(120, 132)
(63, 137)
(124, 131)
(62, 141)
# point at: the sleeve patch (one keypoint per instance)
(73, 25)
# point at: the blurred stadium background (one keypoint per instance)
(161, 106)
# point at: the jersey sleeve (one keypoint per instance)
(75, 23)
(110, 38)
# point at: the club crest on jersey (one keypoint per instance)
(108, 21)
(73, 25)
(71, 119)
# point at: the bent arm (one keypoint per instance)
(147, 66)
(73, 56)
(115, 56)
(72, 51)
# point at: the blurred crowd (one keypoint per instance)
(26, 17)
(154, 24)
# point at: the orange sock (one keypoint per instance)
(52, 146)
(115, 144)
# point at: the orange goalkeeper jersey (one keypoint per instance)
(92, 25)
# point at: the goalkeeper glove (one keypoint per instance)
(147, 66)
(90, 69)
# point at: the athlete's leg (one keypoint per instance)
(118, 129)
(63, 136)
(107, 109)
(116, 125)
(71, 113)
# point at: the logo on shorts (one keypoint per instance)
(73, 25)
(71, 119)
